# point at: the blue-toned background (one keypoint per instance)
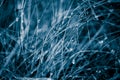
(59, 39)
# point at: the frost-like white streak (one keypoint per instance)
(35, 78)
(60, 39)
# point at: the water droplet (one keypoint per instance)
(96, 17)
(112, 51)
(17, 19)
(71, 49)
(105, 68)
(106, 38)
(111, 10)
(98, 71)
(38, 20)
(101, 42)
(94, 6)
(119, 60)
(51, 74)
(73, 61)
(33, 46)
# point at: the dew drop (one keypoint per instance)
(73, 61)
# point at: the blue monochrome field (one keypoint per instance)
(59, 39)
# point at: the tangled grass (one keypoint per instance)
(60, 40)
